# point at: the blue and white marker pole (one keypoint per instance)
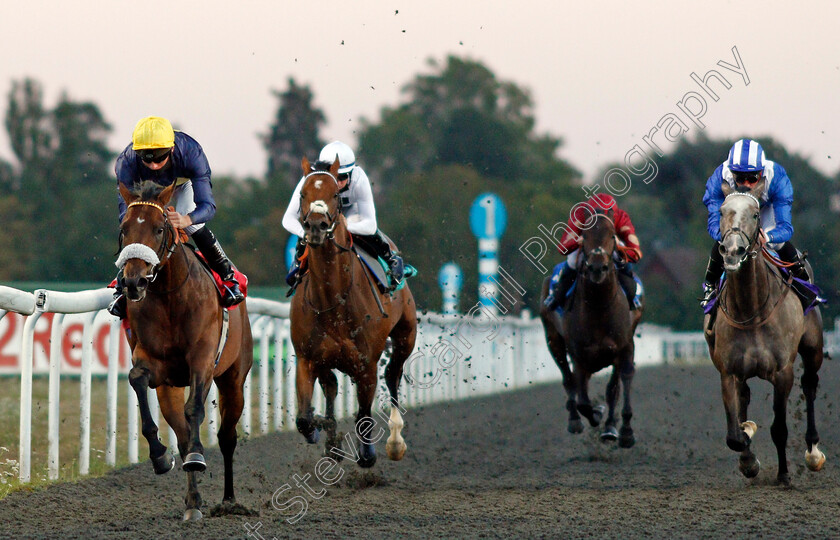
(450, 279)
(488, 219)
(291, 247)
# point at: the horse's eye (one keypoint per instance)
(755, 216)
(159, 231)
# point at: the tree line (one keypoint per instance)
(459, 131)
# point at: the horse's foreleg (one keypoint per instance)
(584, 405)
(811, 350)
(782, 384)
(194, 461)
(610, 432)
(403, 337)
(366, 428)
(162, 459)
(171, 401)
(628, 369)
(304, 385)
(557, 347)
(736, 438)
(329, 384)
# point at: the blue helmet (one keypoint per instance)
(746, 156)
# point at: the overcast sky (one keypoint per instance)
(602, 74)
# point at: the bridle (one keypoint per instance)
(164, 251)
(751, 252)
(600, 250)
(752, 322)
(320, 207)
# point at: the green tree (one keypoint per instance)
(294, 133)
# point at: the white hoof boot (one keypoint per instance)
(815, 459)
(749, 428)
(193, 514)
(395, 447)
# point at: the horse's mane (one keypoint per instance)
(148, 190)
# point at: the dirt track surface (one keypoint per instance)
(492, 468)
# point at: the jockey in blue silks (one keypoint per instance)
(745, 167)
(164, 156)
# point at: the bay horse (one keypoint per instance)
(340, 320)
(176, 323)
(758, 332)
(596, 333)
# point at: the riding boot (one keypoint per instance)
(559, 288)
(789, 254)
(628, 284)
(206, 242)
(714, 269)
(293, 277)
(117, 307)
(382, 247)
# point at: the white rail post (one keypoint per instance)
(289, 395)
(131, 416)
(279, 360)
(53, 403)
(26, 359)
(265, 324)
(113, 380)
(84, 391)
(246, 410)
(211, 408)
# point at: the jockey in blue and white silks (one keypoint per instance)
(745, 167)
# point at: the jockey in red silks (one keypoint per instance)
(628, 251)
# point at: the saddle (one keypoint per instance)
(379, 270)
(221, 285)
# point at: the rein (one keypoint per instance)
(751, 253)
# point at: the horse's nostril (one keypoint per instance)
(323, 225)
(722, 249)
(306, 225)
(741, 250)
(142, 283)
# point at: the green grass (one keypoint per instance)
(69, 430)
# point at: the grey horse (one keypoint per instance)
(758, 331)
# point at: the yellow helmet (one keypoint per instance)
(153, 132)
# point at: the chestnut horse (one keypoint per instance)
(176, 330)
(758, 332)
(340, 320)
(596, 333)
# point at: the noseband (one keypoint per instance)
(599, 250)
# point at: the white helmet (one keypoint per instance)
(346, 157)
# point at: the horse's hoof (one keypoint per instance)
(313, 437)
(395, 450)
(815, 459)
(749, 467)
(626, 438)
(575, 426)
(609, 434)
(192, 514)
(194, 462)
(367, 456)
(783, 480)
(163, 464)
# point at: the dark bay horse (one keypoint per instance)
(758, 332)
(339, 320)
(176, 330)
(596, 333)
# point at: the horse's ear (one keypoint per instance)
(758, 190)
(127, 195)
(166, 194)
(306, 166)
(334, 167)
(726, 188)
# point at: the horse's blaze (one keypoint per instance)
(749, 428)
(815, 459)
(395, 447)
